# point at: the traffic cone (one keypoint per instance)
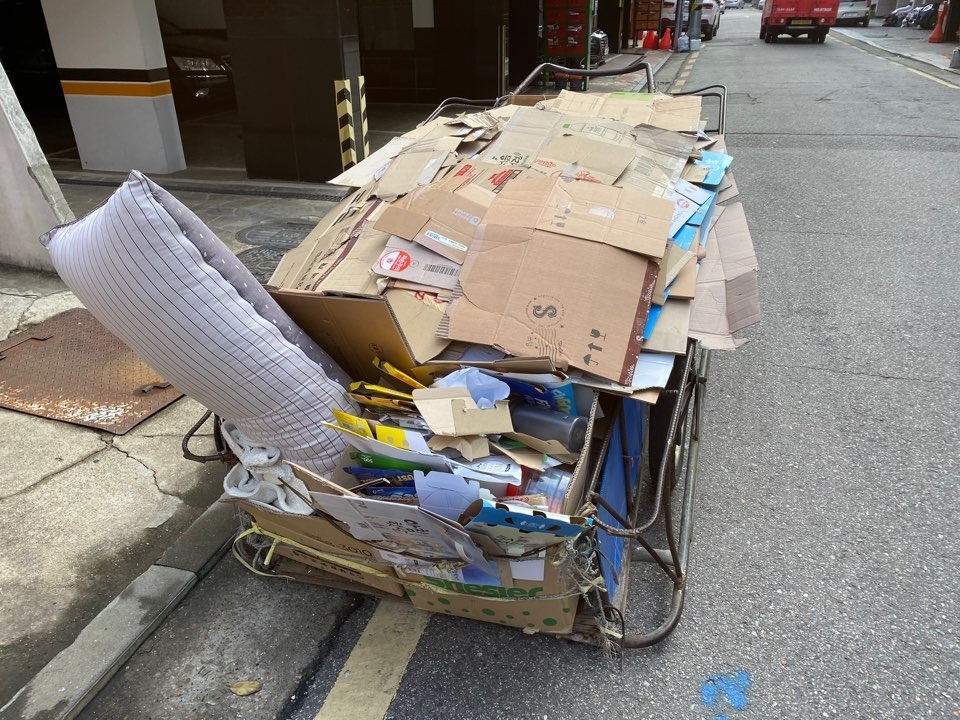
(649, 40)
(937, 35)
(666, 42)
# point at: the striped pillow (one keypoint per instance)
(159, 279)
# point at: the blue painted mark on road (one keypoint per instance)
(733, 688)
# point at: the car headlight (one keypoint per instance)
(198, 64)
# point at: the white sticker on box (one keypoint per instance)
(444, 240)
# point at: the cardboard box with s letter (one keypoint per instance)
(571, 286)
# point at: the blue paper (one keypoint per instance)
(716, 163)
(685, 236)
(652, 318)
(698, 217)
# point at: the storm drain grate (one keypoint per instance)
(73, 369)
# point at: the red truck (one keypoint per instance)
(812, 18)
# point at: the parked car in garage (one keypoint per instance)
(199, 65)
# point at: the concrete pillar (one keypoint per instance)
(30, 199)
(116, 84)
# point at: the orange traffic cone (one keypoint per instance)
(649, 40)
(937, 35)
(666, 42)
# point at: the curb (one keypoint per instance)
(66, 684)
(896, 53)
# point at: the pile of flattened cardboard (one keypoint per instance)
(493, 282)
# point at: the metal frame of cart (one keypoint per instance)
(646, 461)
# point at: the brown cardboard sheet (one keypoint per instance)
(531, 292)
(727, 297)
(663, 111)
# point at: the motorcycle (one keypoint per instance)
(895, 19)
(928, 18)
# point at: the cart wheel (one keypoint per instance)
(763, 32)
(772, 36)
(812, 37)
(822, 36)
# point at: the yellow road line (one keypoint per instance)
(931, 77)
(369, 680)
(892, 60)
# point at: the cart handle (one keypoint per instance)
(636, 65)
(578, 72)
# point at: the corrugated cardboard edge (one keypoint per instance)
(728, 296)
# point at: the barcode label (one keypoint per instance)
(442, 269)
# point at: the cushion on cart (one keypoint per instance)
(158, 278)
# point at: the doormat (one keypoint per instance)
(71, 368)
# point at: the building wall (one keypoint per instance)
(30, 199)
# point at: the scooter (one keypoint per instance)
(923, 16)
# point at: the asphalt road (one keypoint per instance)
(823, 568)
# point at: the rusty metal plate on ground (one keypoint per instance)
(71, 368)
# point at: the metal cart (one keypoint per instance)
(643, 469)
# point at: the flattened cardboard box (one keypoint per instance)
(440, 221)
(408, 261)
(380, 577)
(662, 111)
(727, 295)
(586, 210)
(313, 531)
(530, 292)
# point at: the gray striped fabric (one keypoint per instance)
(209, 329)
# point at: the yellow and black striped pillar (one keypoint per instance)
(114, 76)
(348, 142)
(363, 146)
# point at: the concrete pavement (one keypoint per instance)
(93, 582)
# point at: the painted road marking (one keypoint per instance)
(685, 72)
(371, 676)
(729, 688)
(931, 77)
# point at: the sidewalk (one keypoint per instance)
(107, 533)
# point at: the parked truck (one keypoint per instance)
(812, 18)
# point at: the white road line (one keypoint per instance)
(369, 679)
